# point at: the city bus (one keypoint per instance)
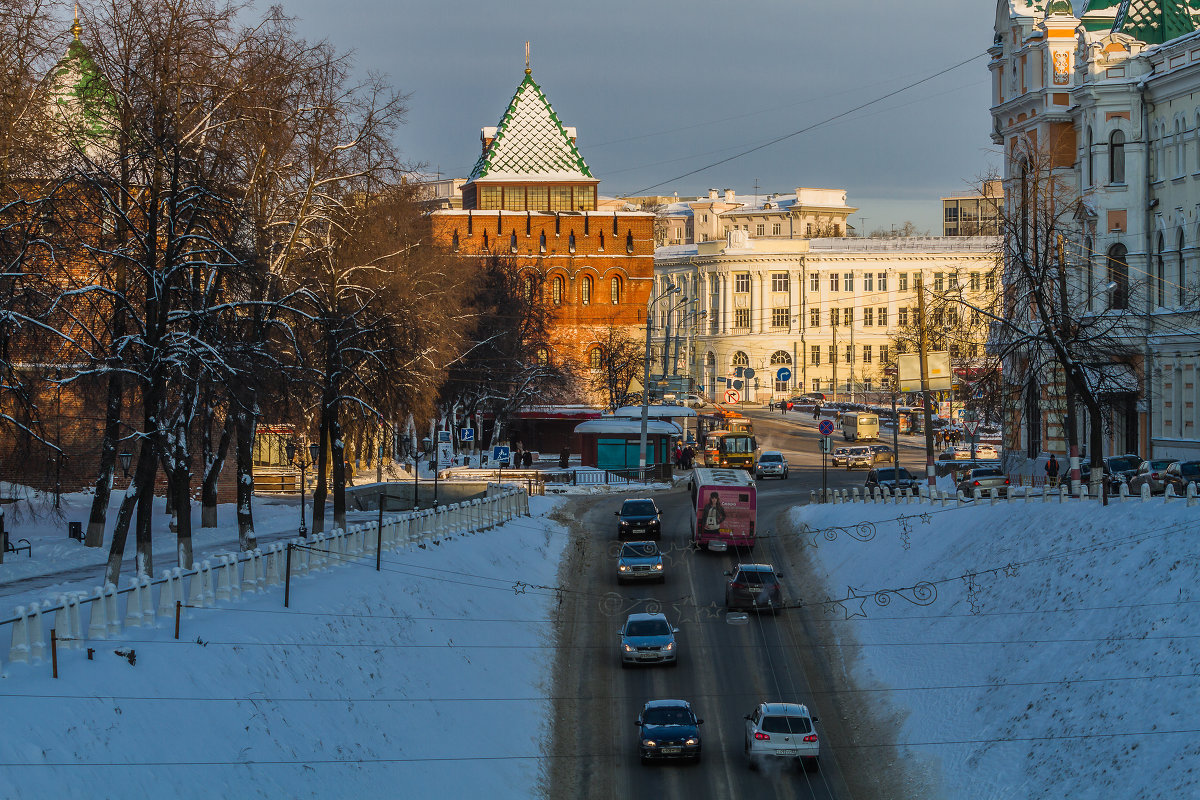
(724, 509)
(730, 449)
(719, 420)
(858, 426)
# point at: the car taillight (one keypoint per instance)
(1006, 481)
(976, 483)
(1153, 474)
(737, 585)
(762, 737)
(812, 737)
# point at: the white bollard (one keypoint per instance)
(37, 633)
(1191, 494)
(1145, 492)
(272, 577)
(1169, 493)
(98, 624)
(148, 616)
(249, 574)
(222, 577)
(1062, 493)
(960, 498)
(167, 595)
(18, 651)
(110, 610)
(133, 604)
(68, 629)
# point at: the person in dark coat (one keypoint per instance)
(527, 458)
(1052, 471)
(689, 455)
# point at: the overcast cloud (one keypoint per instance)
(658, 88)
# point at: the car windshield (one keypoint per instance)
(985, 473)
(756, 576)
(1120, 464)
(1190, 467)
(639, 550)
(889, 474)
(638, 508)
(841, 451)
(860, 451)
(647, 627)
(770, 458)
(667, 715)
(786, 725)
(1155, 466)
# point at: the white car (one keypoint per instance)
(986, 451)
(779, 731)
(648, 639)
(694, 401)
(772, 463)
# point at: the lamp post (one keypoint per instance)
(125, 458)
(314, 452)
(671, 289)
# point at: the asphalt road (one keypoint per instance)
(725, 669)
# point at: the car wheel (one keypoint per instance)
(785, 474)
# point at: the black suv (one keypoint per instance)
(639, 519)
(890, 478)
(753, 586)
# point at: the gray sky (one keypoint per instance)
(658, 88)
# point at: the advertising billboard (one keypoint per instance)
(939, 378)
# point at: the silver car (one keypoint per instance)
(1152, 474)
(648, 639)
(860, 457)
(771, 464)
(781, 731)
(640, 561)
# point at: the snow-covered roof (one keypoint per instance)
(620, 425)
(655, 411)
(672, 250)
(530, 143)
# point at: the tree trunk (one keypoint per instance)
(212, 473)
(182, 485)
(320, 489)
(108, 457)
(245, 417)
(337, 449)
(116, 549)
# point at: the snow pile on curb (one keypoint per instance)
(1057, 655)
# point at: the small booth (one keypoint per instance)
(614, 443)
(661, 412)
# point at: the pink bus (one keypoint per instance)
(724, 508)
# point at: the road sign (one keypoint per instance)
(783, 374)
(466, 435)
(737, 384)
(826, 444)
(826, 427)
(500, 453)
(747, 373)
(739, 372)
(732, 395)
(443, 436)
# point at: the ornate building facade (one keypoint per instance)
(1110, 91)
(532, 197)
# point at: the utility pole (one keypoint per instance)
(923, 346)
(833, 356)
(1072, 430)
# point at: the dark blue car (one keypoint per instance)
(668, 730)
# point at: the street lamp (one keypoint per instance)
(314, 452)
(671, 289)
(126, 459)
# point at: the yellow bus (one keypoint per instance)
(730, 449)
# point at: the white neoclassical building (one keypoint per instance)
(827, 311)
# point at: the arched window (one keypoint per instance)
(1116, 157)
(615, 290)
(542, 243)
(543, 356)
(615, 221)
(1160, 273)
(601, 241)
(1181, 269)
(1089, 266)
(571, 242)
(556, 290)
(710, 360)
(485, 240)
(740, 359)
(595, 358)
(1089, 159)
(1179, 167)
(454, 242)
(585, 291)
(528, 288)
(781, 358)
(1118, 277)
(629, 243)
(512, 242)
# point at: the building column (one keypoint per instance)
(726, 296)
(756, 309)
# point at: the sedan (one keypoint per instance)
(883, 454)
(648, 639)
(860, 457)
(640, 561)
(977, 480)
(781, 731)
(890, 478)
(1152, 474)
(986, 451)
(639, 517)
(1182, 473)
(840, 456)
(753, 587)
(668, 729)
(771, 464)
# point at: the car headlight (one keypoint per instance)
(624, 523)
(628, 648)
(692, 741)
(658, 567)
(649, 743)
(622, 568)
(669, 646)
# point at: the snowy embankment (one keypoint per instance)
(426, 679)
(1056, 657)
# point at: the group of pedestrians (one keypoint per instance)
(685, 457)
(950, 437)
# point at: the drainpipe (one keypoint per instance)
(1147, 355)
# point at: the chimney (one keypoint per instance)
(487, 136)
(729, 195)
(712, 194)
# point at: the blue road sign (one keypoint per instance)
(737, 384)
(748, 373)
(466, 435)
(500, 453)
(826, 427)
(737, 371)
(783, 374)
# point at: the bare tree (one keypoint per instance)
(621, 360)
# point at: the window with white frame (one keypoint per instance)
(835, 316)
(741, 318)
(814, 282)
(815, 355)
(883, 354)
(953, 281)
(848, 315)
(816, 385)
(780, 282)
(833, 354)
(833, 281)
(760, 229)
(776, 229)
(866, 354)
(849, 354)
(848, 281)
(779, 317)
(903, 284)
(814, 318)
(741, 282)
(939, 281)
(881, 279)
(868, 282)
(902, 316)
(974, 282)
(881, 316)
(989, 283)
(868, 316)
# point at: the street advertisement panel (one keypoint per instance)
(940, 378)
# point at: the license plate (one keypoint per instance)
(647, 656)
(787, 752)
(717, 547)
(670, 751)
(639, 530)
(752, 588)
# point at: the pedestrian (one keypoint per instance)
(527, 458)
(678, 455)
(816, 410)
(783, 407)
(1052, 471)
(689, 456)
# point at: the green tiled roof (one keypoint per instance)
(1157, 21)
(531, 142)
